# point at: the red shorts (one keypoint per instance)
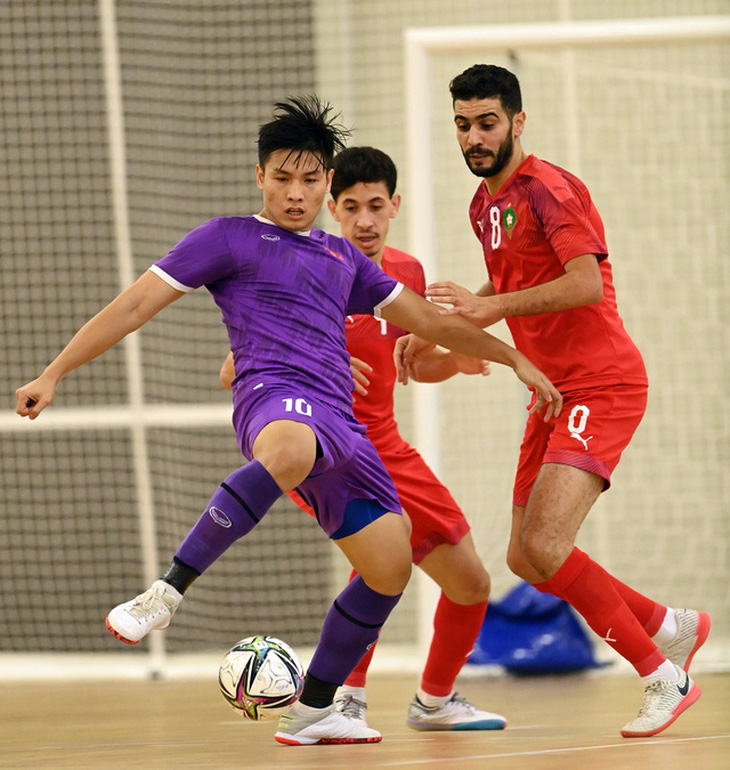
(592, 431)
(434, 514)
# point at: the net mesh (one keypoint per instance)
(663, 207)
(645, 127)
(253, 585)
(197, 81)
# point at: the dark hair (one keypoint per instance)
(485, 81)
(302, 125)
(362, 164)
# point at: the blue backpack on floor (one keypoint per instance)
(529, 632)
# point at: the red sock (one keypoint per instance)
(591, 591)
(455, 629)
(360, 672)
(648, 612)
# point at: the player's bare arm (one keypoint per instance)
(410, 351)
(487, 290)
(420, 360)
(411, 311)
(124, 314)
(438, 365)
(581, 284)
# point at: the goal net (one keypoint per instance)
(604, 100)
(124, 126)
(127, 124)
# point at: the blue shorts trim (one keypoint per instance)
(358, 514)
(347, 469)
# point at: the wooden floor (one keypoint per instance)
(554, 722)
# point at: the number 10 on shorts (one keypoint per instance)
(299, 405)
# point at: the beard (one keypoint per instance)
(501, 158)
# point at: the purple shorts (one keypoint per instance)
(348, 487)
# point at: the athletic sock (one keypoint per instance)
(590, 590)
(431, 701)
(303, 710)
(180, 575)
(235, 509)
(666, 671)
(648, 612)
(668, 628)
(455, 629)
(358, 693)
(359, 674)
(352, 623)
(316, 693)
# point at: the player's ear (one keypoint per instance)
(518, 124)
(332, 206)
(330, 174)
(259, 176)
(395, 200)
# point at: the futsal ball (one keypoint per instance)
(261, 677)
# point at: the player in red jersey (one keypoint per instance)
(363, 202)
(550, 279)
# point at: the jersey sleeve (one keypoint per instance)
(417, 279)
(372, 288)
(200, 257)
(566, 219)
(475, 207)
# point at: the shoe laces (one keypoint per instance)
(461, 701)
(655, 691)
(455, 702)
(351, 707)
(151, 599)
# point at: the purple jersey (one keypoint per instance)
(284, 297)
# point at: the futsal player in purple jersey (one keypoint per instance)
(284, 290)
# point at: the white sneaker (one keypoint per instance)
(663, 703)
(151, 610)
(456, 714)
(692, 630)
(353, 708)
(329, 726)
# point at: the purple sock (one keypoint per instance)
(351, 625)
(235, 509)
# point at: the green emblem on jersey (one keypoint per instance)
(509, 220)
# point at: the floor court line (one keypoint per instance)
(627, 744)
(556, 723)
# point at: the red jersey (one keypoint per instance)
(541, 218)
(373, 341)
(435, 516)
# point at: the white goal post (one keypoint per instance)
(99, 491)
(422, 46)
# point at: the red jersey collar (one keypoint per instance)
(528, 160)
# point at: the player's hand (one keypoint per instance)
(468, 365)
(547, 395)
(483, 311)
(407, 351)
(358, 373)
(228, 372)
(33, 398)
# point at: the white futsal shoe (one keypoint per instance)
(692, 630)
(663, 703)
(300, 727)
(133, 620)
(353, 707)
(456, 714)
